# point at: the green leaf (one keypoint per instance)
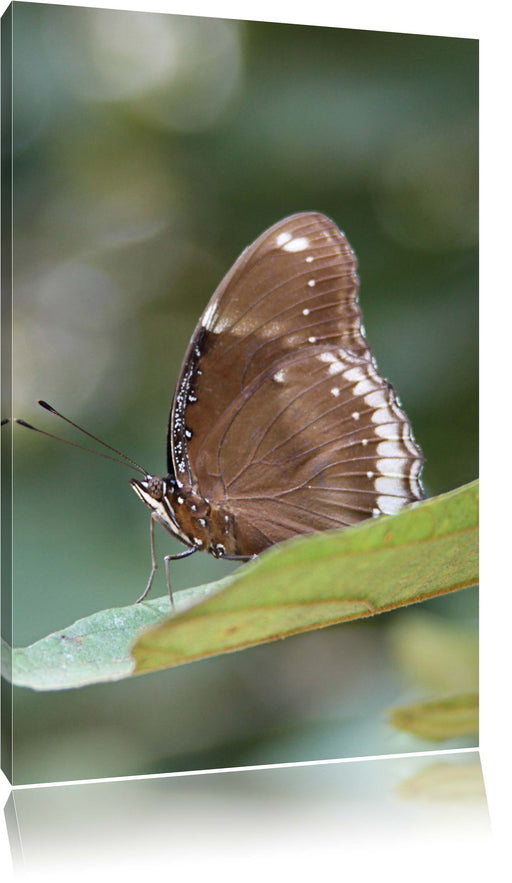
(93, 649)
(439, 720)
(309, 582)
(426, 550)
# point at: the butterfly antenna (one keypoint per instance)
(125, 461)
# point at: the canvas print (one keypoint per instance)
(244, 273)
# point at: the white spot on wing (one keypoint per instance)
(377, 399)
(335, 392)
(383, 415)
(283, 238)
(416, 469)
(311, 283)
(363, 387)
(355, 374)
(279, 376)
(335, 366)
(408, 440)
(305, 312)
(390, 505)
(356, 415)
(384, 484)
(309, 259)
(390, 448)
(389, 431)
(313, 340)
(392, 466)
(209, 316)
(298, 244)
(414, 475)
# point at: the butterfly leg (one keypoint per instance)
(168, 558)
(153, 559)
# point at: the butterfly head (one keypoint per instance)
(174, 507)
(152, 490)
(157, 494)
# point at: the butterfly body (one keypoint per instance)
(281, 423)
(187, 515)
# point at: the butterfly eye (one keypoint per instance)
(156, 488)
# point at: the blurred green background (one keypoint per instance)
(149, 150)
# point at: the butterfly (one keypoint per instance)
(280, 423)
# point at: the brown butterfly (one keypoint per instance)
(280, 424)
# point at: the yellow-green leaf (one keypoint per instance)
(439, 720)
(310, 582)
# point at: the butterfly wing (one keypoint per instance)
(280, 414)
(264, 308)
